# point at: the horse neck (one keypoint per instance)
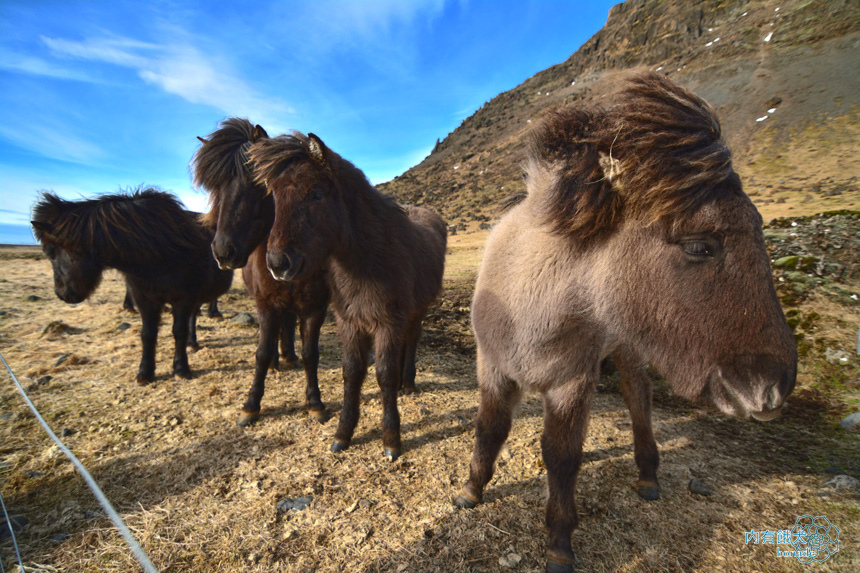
(372, 220)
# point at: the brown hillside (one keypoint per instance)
(801, 159)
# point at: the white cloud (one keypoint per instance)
(54, 142)
(180, 70)
(38, 67)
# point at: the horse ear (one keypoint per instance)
(203, 141)
(259, 133)
(42, 227)
(317, 149)
(611, 168)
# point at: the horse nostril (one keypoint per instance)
(277, 262)
(778, 392)
(229, 251)
(786, 385)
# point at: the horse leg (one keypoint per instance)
(389, 350)
(192, 332)
(182, 315)
(498, 397)
(636, 389)
(410, 349)
(267, 348)
(310, 330)
(356, 345)
(213, 311)
(565, 422)
(288, 340)
(150, 316)
(128, 302)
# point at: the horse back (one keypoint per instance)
(428, 248)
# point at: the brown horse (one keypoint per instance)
(161, 250)
(384, 263)
(242, 214)
(635, 240)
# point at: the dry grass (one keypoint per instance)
(200, 493)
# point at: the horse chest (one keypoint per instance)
(361, 305)
(533, 340)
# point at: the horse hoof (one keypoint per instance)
(465, 500)
(182, 375)
(339, 446)
(320, 416)
(409, 390)
(391, 454)
(648, 491)
(247, 418)
(193, 347)
(292, 363)
(143, 379)
(556, 567)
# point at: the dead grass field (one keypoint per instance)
(200, 493)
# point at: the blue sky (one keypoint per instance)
(100, 96)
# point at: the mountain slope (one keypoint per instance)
(797, 58)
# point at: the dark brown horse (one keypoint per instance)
(242, 214)
(161, 250)
(635, 240)
(384, 263)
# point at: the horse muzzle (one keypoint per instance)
(227, 256)
(748, 391)
(285, 265)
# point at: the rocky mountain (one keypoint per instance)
(784, 76)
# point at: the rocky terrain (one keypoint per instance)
(783, 75)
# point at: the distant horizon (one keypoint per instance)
(16, 235)
(103, 97)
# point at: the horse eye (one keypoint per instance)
(698, 249)
(317, 195)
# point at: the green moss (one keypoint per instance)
(809, 320)
(785, 262)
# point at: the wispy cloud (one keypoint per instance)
(30, 65)
(380, 33)
(181, 70)
(53, 142)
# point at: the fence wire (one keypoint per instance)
(139, 554)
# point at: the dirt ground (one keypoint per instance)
(201, 494)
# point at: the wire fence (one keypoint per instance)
(138, 552)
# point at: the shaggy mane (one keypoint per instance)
(657, 153)
(223, 158)
(272, 157)
(149, 222)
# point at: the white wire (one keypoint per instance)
(102, 499)
(12, 533)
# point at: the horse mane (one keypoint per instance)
(146, 224)
(657, 153)
(222, 157)
(273, 156)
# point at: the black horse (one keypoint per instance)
(161, 249)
